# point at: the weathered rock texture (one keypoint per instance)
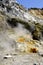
(21, 34)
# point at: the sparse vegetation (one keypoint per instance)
(37, 32)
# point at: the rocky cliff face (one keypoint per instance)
(13, 9)
(21, 33)
(36, 12)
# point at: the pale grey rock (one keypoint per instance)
(18, 11)
(9, 35)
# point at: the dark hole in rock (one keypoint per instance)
(12, 22)
(5, 57)
(7, 2)
(42, 55)
(35, 38)
(34, 64)
(42, 33)
(36, 35)
(8, 8)
(3, 6)
(42, 30)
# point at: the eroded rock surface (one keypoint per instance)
(21, 35)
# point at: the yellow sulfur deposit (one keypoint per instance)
(21, 39)
(27, 46)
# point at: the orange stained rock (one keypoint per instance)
(21, 39)
(31, 42)
(33, 50)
